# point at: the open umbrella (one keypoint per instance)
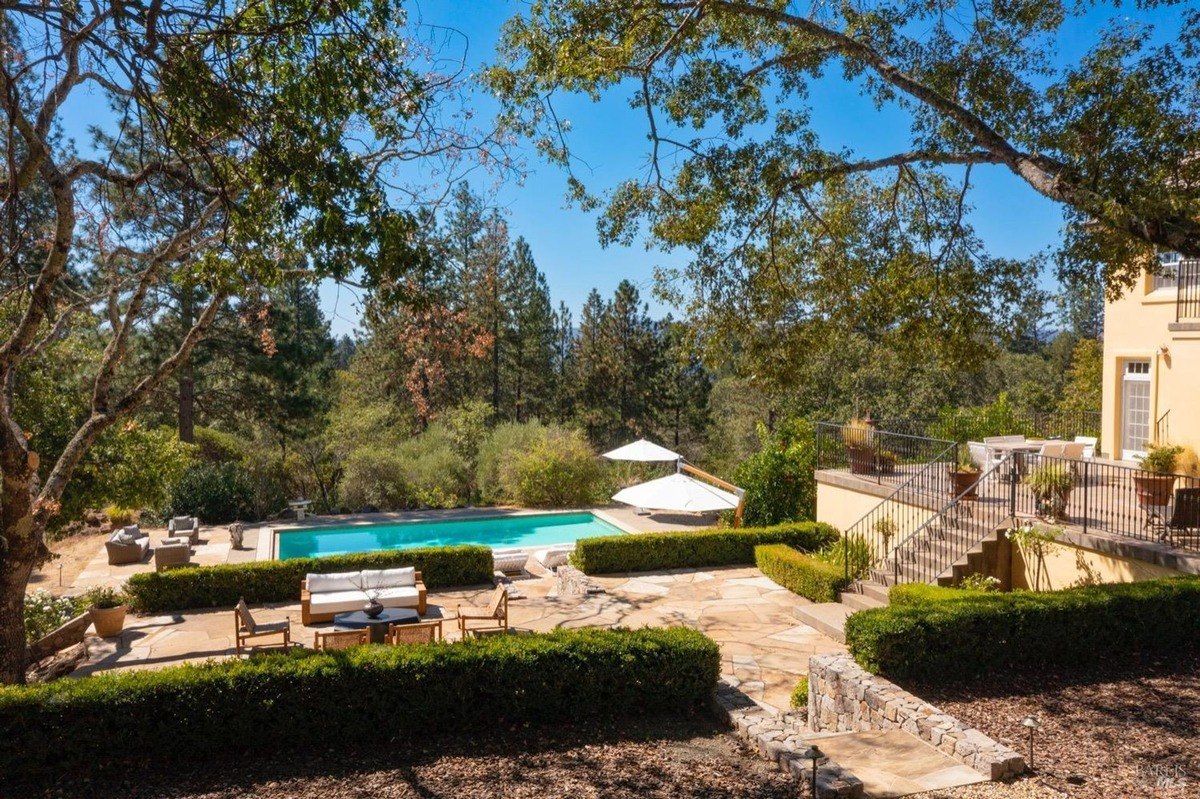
(642, 450)
(678, 492)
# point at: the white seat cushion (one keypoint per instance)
(333, 582)
(401, 596)
(338, 601)
(390, 578)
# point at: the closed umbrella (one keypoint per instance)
(678, 492)
(642, 450)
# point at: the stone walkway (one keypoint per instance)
(764, 649)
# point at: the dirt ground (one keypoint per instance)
(74, 554)
(653, 759)
(1125, 728)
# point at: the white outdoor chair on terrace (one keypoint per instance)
(1089, 445)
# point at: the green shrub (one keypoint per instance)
(717, 547)
(925, 639)
(917, 593)
(561, 471)
(279, 580)
(799, 699)
(218, 493)
(425, 471)
(367, 696)
(778, 479)
(801, 574)
(856, 548)
(216, 446)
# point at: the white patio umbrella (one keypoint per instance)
(678, 492)
(642, 450)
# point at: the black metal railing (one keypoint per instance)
(1162, 427)
(1187, 302)
(973, 424)
(878, 454)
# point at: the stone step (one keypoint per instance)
(859, 601)
(827, 617)
(874, 590)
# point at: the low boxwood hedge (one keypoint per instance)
(308, 701)
(940, 638)
(799, 573)
(717, 547)
(279, 580)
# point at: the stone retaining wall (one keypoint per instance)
(843, 697)
(780, 738)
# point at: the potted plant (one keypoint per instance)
(964, 477)
(1051, 484)
(107, 609)
(860, 449)
(1156, 484)
(886, 461)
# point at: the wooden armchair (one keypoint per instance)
(496, 612)
(424, 632)
(246, 629)
(341, 639)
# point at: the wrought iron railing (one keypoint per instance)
(1162, 427)
(973, 424)
(878, 454)
(1187, 302)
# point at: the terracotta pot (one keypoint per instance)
(862, 459)
(1154, 490)
(964, 481)
(109, 621)
(1053, 506)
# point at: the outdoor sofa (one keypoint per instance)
(322, 596)
(127, 545)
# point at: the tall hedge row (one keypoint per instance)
(813, 579)
(691, 549)
(936, 637)
(308, 701)
(279, 580)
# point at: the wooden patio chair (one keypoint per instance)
(341, 639)
(496, 612)
(423, 632)
(246, 628)
(1186, 517)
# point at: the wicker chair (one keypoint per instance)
(341, 639)
(246, 628)
(185, 527)
(424, 632)
(172, 553)
(496, 612)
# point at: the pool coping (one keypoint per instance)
(268, 539)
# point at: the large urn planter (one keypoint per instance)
(1154, 490)
(862, 459)
(109, 621)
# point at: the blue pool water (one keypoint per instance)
(498, 532)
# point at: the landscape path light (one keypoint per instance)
(1031, 723)
(814, 754)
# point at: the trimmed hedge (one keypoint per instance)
(947, 639)
(718, 547)
(279, 580)
(920, 593)
(801, 574)
(308, 701)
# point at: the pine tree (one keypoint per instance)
(565, 345)
(530, 344)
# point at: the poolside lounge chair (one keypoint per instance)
(341, 639)
(185, 527)
(246, 628)
(423, 632)
(496, 612)
(554, 557)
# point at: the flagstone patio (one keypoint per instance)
(764, 649)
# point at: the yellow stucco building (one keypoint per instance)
(1152, 362)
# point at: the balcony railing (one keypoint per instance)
(1187, 304)
(974, 424)
(878, 454)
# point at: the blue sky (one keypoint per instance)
(609, 140)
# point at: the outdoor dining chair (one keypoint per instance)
(341, 639)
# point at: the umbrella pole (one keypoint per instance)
(719, 483)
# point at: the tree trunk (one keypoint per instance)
(19, 551)
(187, 374)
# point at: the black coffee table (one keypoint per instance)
(357, 620)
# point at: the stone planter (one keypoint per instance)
(109, 621)
(862, 459)
(1154, 490)
(69, 634)
(964, 481)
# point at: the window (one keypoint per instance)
(1135, 409)
(1168, 275)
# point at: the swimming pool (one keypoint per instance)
(524, 530)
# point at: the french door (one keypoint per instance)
(1135, 409)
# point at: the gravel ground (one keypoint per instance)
(667, 759)
(1121, 729)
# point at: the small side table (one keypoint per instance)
(357, 620)
(300, 507)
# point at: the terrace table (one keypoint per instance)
(1018, 449)
(358, 620)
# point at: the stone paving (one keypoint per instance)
(764, 650)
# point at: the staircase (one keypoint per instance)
(963, 536)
